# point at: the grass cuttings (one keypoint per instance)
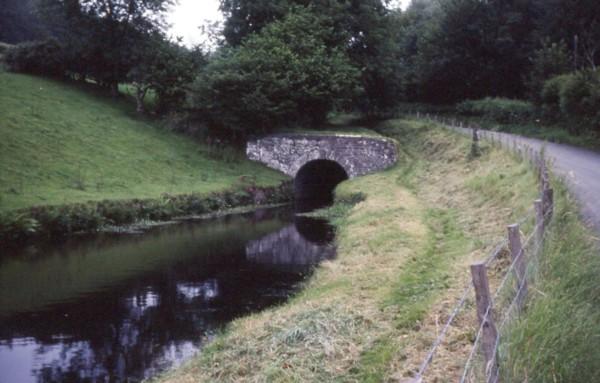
(556, 340)
(62, 143)
(371, 314)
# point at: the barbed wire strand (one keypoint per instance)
(442, 334)
(506, 312)
(497, 250)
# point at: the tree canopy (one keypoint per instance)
(284, 73)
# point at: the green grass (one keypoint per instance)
(64, 143)
(556, 339)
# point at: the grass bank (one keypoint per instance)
(73, 159)
(556, 339)
(371, 314)
(62, 143)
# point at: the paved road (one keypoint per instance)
(579, 167)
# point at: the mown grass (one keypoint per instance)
(403, 252)
(556, 339)
(63, 143)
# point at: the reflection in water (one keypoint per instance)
(123, 308)
(288, 249)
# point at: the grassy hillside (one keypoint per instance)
(60, 143)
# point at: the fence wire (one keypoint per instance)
(505, 308)
(504, 311)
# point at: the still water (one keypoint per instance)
(121, 308)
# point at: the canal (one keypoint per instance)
(122, 308)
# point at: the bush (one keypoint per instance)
(502, 110)
(38, 57)
(574, 97)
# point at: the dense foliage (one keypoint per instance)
(286, 73)
(45, 57)
(18, 22)
(574, 97)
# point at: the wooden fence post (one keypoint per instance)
(548, 203)
(489, 333)
(519, 258)
(539, 223)
(475, 152)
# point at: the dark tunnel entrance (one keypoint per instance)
(315, 182)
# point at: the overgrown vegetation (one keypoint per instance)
(554, 341)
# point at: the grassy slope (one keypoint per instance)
(557, 338)
(60, 144)
(371, 314)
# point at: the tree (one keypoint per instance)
(244, 17)
(165, 67)
(364, 29)
(550, 60)
(285, 74)
(574, 21)
(473, 48)
(18, 22)
(101, 33)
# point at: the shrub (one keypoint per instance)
(38, 57)
(574, 97)
(501, 110)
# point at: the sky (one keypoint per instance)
(188, 16)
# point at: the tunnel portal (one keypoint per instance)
(315, 183)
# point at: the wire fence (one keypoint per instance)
(497, 309)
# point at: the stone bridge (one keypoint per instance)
(319, 162)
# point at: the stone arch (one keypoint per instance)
(315, 181)
(358, 155)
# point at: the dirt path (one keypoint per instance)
(579, 167)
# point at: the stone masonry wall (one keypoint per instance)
(357, 155)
